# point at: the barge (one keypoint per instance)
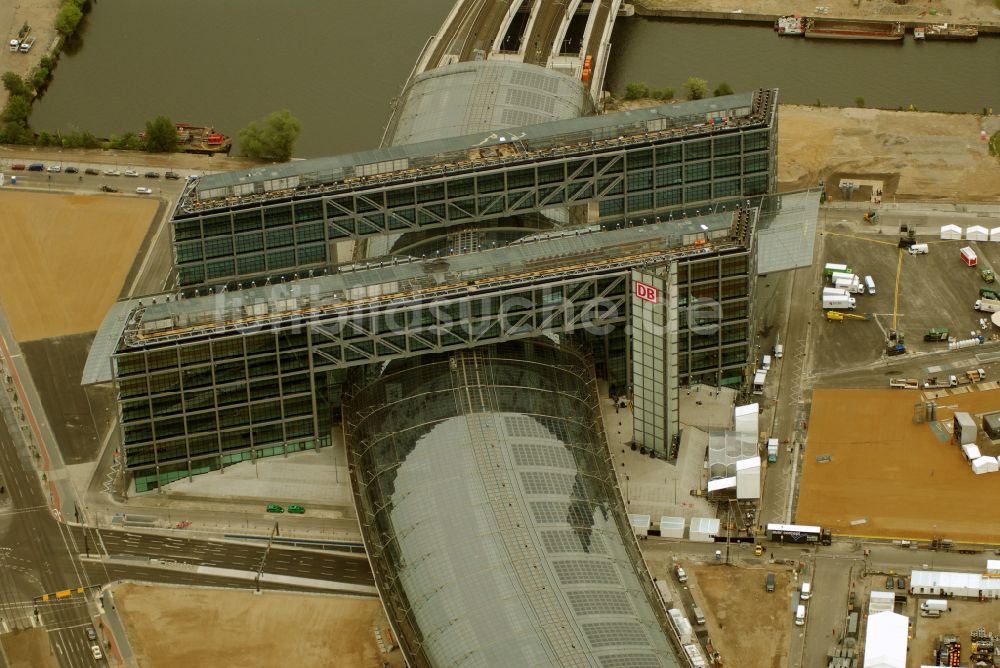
(946, 31)
(845, 29)
(196, 139)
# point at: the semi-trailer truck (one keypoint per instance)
(836, 302)
(833, 266)
(772, 450)
(987, 305)
(840, 275)
(854, 287)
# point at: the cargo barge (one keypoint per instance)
(946, 31)
(844, 29)
(790, 26)
(196, 139)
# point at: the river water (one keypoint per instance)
(337, 66)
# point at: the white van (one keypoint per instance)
(766, 363)
(699, 616)
(918, 249)
(806, 591)
(870, 282)
(800, 615)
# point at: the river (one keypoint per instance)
(337, 66)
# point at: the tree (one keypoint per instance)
(17, 110)
(272, 140)
(859, 101)
(68, 19)
(663, 94)
(14, 84)
(161, 135)
(695, 88)
(636, 90)
(723, 89)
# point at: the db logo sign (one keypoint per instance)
(647, 292)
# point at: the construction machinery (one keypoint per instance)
(871, 217)
(987, 275)
(936, 334)
(837, 316)
(907, 236)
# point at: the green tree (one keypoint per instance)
(859, 101)
(273, 139)
(663, 94)
(17, 110)
(14, 84)
(161, 135)
(723, 89)
(636, 90)
(695, 88)
(68, 19)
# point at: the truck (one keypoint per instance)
(779, 350)
(759, 379)
(851, 286)
(935, 384)
(772, 450)
(836, 292)
(904, 383)
(870, 284)
(27, 43)
(936, 334)
(938, 604)
(843, 302)
(833, 266)
(976, 375)
(841, 275)
(987, 305)
(918, 249)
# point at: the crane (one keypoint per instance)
(894, 344)
(837, 316)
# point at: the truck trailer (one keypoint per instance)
(772, 450)
(837, 302)
(852, 286)
(833, 266)
(936, 334)
(987, 305)
(841, 275)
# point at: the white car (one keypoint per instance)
(112, 172)
(141, 190)
(96, 651)
(131, 172)
(55, 168)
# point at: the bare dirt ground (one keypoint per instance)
(922, 156)
(218, 627)
(28, 649)
(895, 475)
(749, 627)
(981, 12)
(40, 15)
(65, 258)
(965, 616)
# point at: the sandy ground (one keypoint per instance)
(749, 626)
(28, 649)
(895, 475)
(219, 627)
(965, 616)
(65, 258)
(980, 12)
(40, 15)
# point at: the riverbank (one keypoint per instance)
(925, 156)
(40, 15)
(983, 13)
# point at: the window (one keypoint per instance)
(218, 247)
(277, 216)
(307, 233)
(189, 251)
(244, 221)
(217, 225)
(457, 188)
(699, 171)
(490, 183)
(698, 149)
(187, 229)
(246, 243)
(727, 145)
(668, 176)
(280, 237)
(640, 181)
(727, 167)
(669, 154)
(697, 193)
(728, 188)
(308, 211)
(639, 159)
(755, 163)
(219, 269)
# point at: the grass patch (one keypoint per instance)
(995, 139)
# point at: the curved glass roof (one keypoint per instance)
(491, 517)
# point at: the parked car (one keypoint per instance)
(19, 167)
(36, 167)
(274, 508)
(143, 191)
(769, 582)
(681, 575)
(109, 189)
(55, 168)
(152, 175)
(131, 172)
(172, 175)
(900, 583)
(112, 172)
(298, 510)
(91, 633)
(91, 170)
(889, 582)
(96, 651)
(72, 170)
(758, 550)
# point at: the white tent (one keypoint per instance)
(977, 233)
(681, 624)
(992, 465)
(980, 465)
(640, 524)
(951, 232)
(748, 478)
(880, 601)
(885, 640)
(971, 451)
(995, 234)
(704, 529)
(941, 583)
(993, 566)
(745, 418)
(720, 484)
(671, 527)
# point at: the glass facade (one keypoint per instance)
(487, 471)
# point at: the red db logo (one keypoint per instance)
(647, 292)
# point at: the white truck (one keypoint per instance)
(936, 604)
(772, 450)
(870, 283)
(918, 249)
(842, 275)
(852, 286)
(27, 43)
(779, 350)
(839, 302)
(835, 292)
(987, 305)
(759, 378)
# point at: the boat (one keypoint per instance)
(846, 29)
(946, 31)
(789, 25)
(201, 139)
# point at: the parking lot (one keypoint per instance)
(935, 290)
(964, 616)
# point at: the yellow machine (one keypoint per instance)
(837, 316)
